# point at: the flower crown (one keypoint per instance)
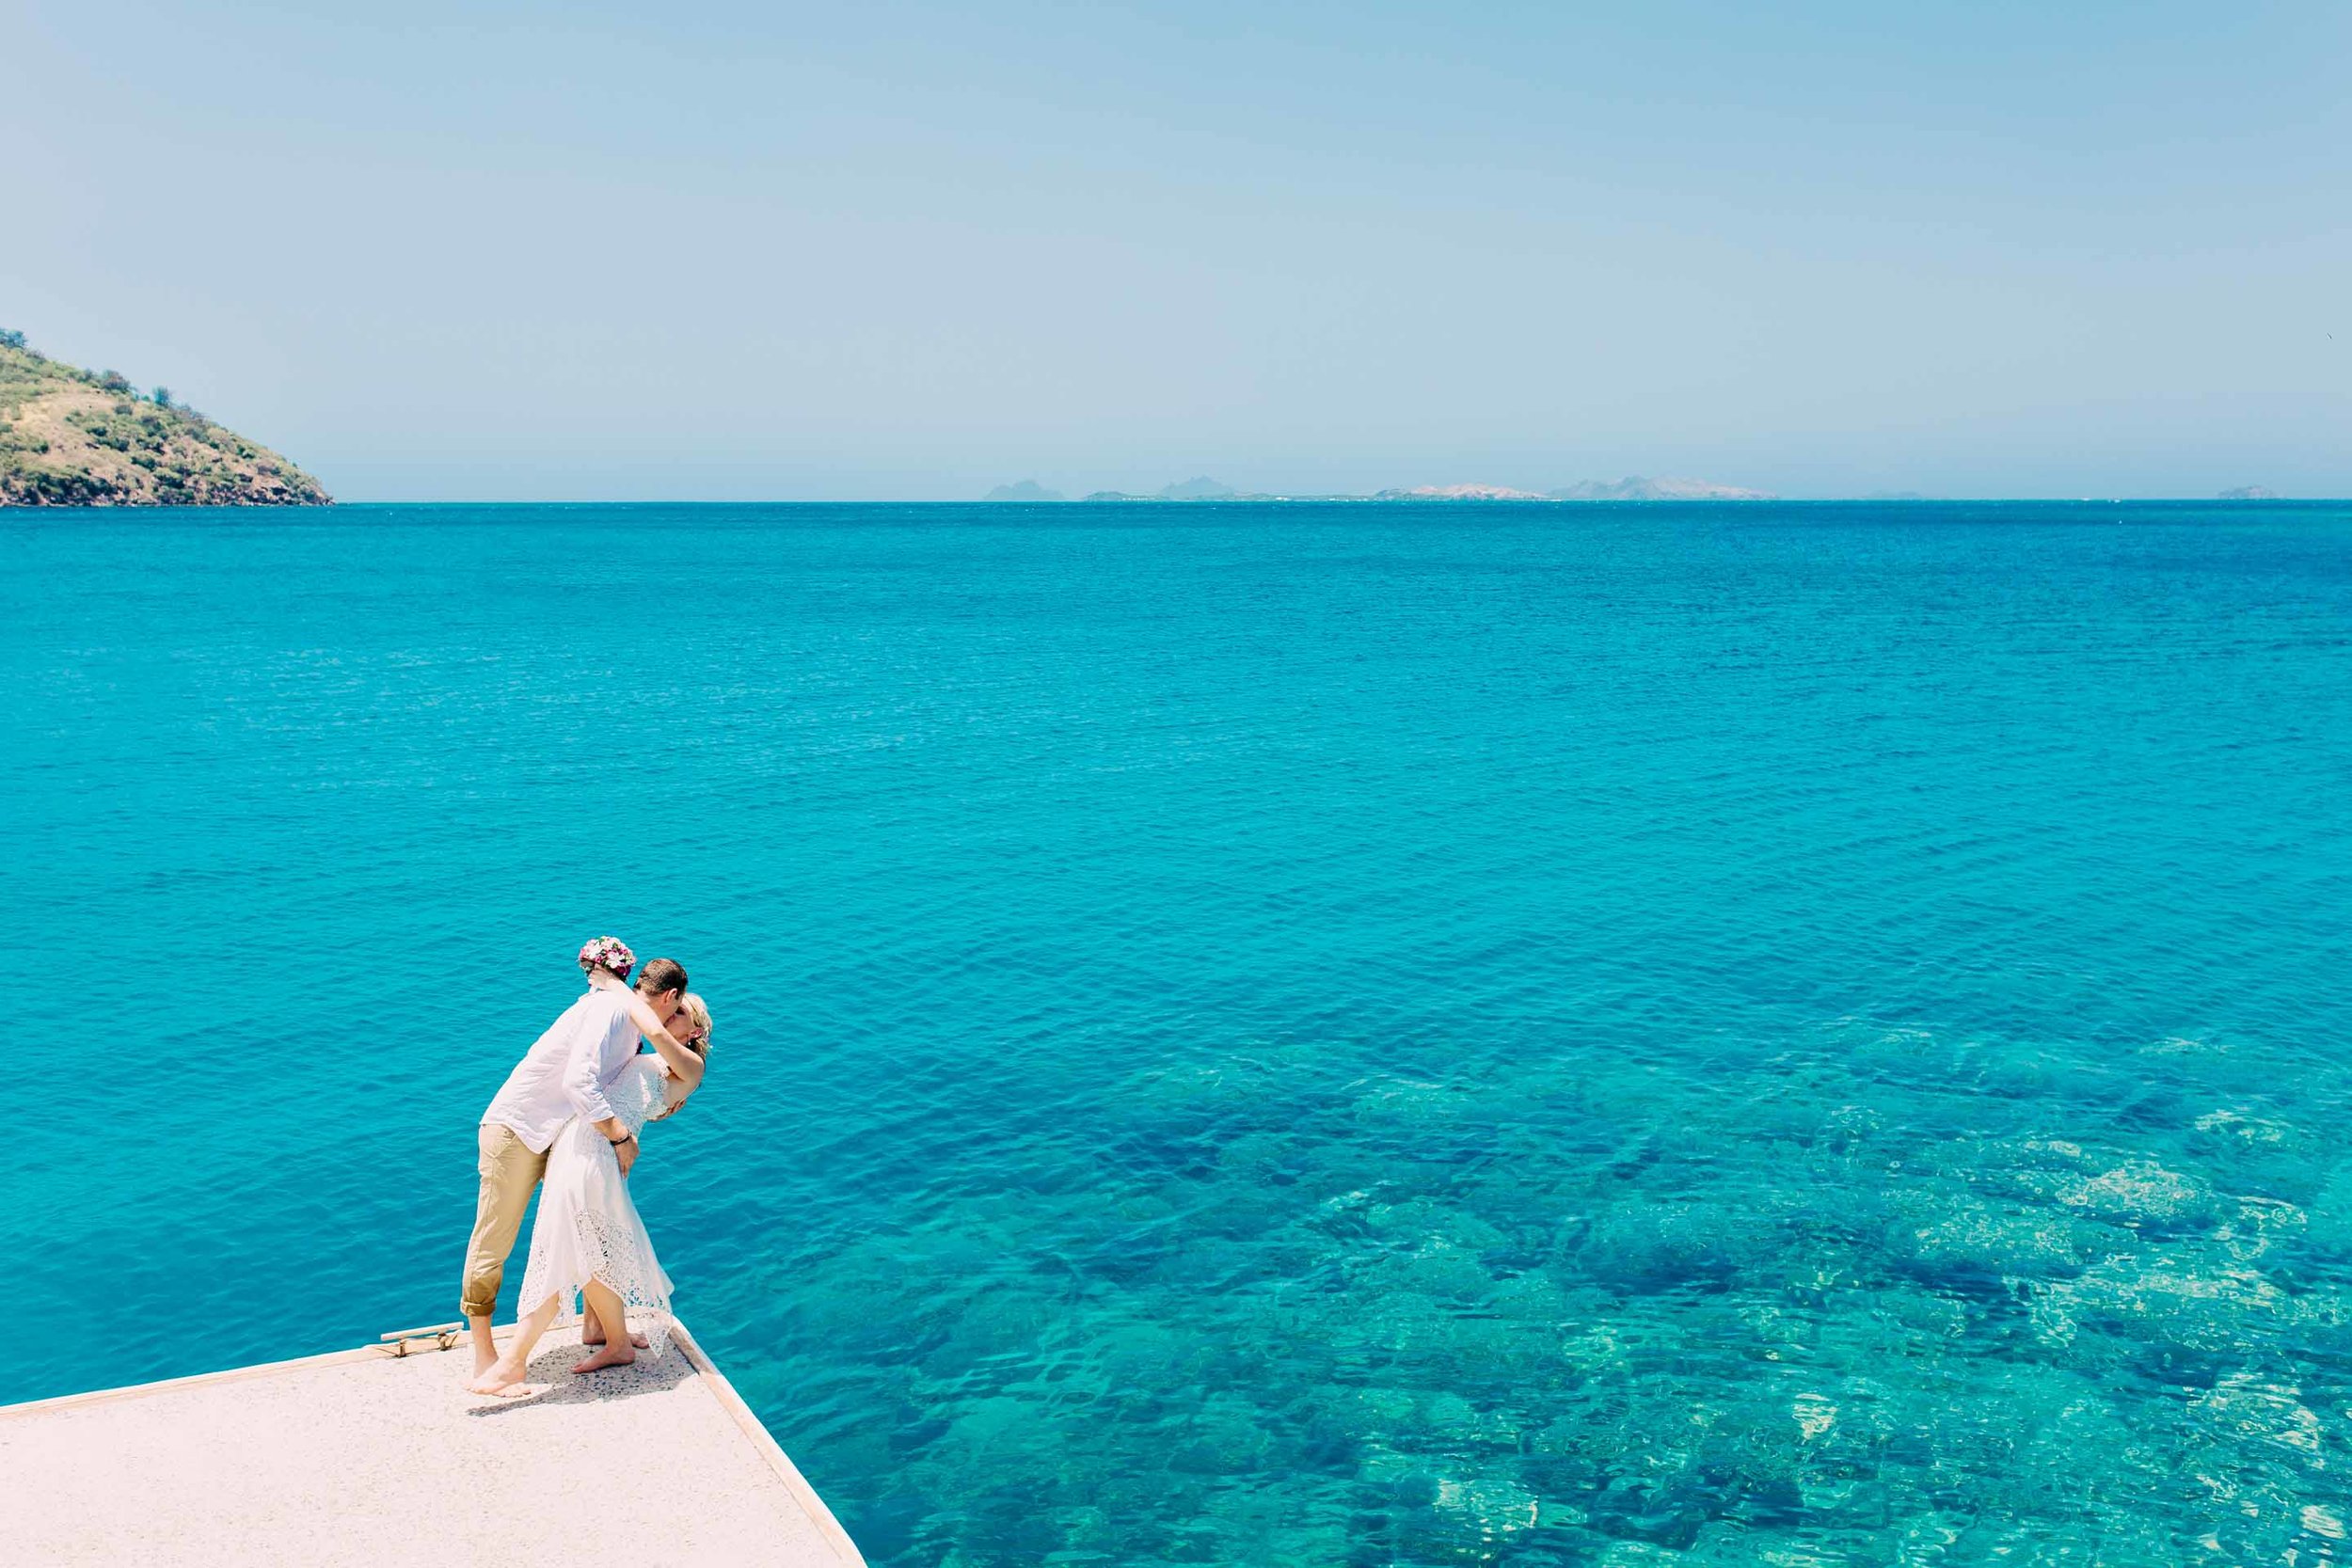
(608, 953)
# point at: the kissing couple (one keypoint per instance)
(566, 1122)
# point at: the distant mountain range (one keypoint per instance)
(1206, 490)
(1460, 492)
(1023, 490)
(1636, 488)
(1201, 488)
(2249, 492)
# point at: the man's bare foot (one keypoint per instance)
(608, 1356)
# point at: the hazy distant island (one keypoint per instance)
(1199, 488)
(1206, 490)
(2249, 492)
(1203, 488)
(76, 437)
(1636, 488)
(1460, 492)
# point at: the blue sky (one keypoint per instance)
(504, 251)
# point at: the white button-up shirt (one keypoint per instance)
(565, 1073)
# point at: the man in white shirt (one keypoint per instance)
(562, 1075)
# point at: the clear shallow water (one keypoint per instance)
(1805, 1035)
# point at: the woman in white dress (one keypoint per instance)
(588, 1240)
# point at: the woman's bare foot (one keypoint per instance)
(595, 1337)
(608, 1356)
(503, 1380)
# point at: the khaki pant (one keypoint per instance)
(509, 1170)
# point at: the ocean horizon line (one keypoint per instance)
(1139, 503)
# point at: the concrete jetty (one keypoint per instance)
(371, 1458)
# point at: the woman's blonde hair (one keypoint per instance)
(698, 1024)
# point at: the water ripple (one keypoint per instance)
(1781, 1034)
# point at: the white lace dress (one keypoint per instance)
(588, 1226)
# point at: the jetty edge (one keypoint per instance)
(379, 1456)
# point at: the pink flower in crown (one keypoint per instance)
(608, 953)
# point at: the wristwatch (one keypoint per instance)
(619, 1141)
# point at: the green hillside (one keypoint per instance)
(75, 438)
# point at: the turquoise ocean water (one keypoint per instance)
(1792, 1033)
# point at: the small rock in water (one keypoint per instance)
(2142, 1192)
(2199, 1302)
(2247, 1128)
(1979, 1245)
